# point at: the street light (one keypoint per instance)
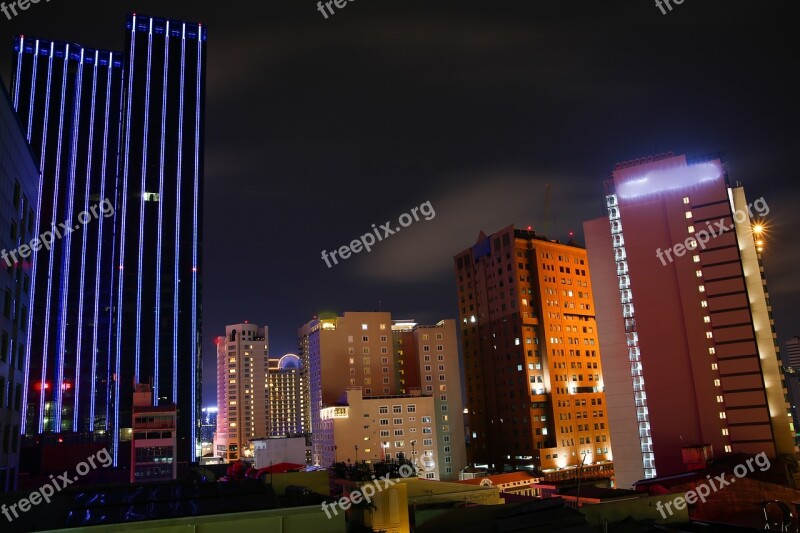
(414, 455)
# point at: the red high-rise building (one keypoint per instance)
(688, 343)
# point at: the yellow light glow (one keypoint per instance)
(758, 229)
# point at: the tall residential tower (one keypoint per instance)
(242, 390)
(689, 347)
(535, 390)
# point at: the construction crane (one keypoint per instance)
(547, 201)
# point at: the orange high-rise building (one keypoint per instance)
(534, 382)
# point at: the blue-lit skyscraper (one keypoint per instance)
(68, 99)
(118, 302)
(160, 219)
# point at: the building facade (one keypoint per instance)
(793, 352)
(154, 442)
(19, 198)
(119, 298)
(688, 343)
(426, 358)
(158, 288)
(287, 397)
(791, 369)
(534, 379)
(69, 101)
(379, 428)
(370, 352)
(242, 389)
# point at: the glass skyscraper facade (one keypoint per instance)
(158, 289)
(68, 99)
(117, 302)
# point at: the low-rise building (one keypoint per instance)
(373, 428)
(154, 443)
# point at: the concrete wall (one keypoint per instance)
(295, 520)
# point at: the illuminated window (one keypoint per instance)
(688, 214)
(691, 229)
(722, 414)
(685, 199)
(712, 351)
(709, 335)
(702, 288)
(363, 326)
(716, 383)
(727, 448)
(699, 273)
(724, 431)
(704, 304)
(719, 399)
(707, 319)
(714, 366)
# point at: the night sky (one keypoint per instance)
(317, 129)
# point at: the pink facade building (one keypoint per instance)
(687, 341)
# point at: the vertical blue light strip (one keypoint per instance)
(198, 110)
(79, 349)
(67, 246)
(157, 344)
(33, 90)
(19, 71)
(142, 202)
(178, 216)
(118, 349)
(96, 315)
(35, 259)
(111, 352)
(56, 386)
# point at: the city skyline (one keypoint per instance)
(586, 309)
(484, 163)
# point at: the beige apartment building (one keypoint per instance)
(373, 428)
(242, 389)
(381, 357)
(427, 359)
